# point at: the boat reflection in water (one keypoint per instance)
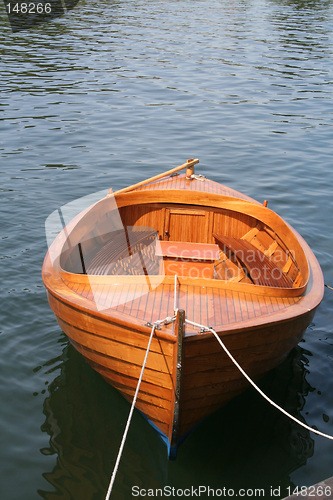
(243, 441)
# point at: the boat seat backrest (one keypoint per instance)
(261, 269)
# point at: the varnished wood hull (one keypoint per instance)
(117, 353)
(108, 318)
(209, 378)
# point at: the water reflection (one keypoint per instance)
(249, 444)
(239, 445)
(70, 4)
(305, 4)
(85, 420)
(25, 17)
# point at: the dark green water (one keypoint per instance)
(110, 94)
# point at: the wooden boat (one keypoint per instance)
(180, 242)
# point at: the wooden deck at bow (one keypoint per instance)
(217, 307)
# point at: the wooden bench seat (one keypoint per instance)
(262, 270)
(187, 258)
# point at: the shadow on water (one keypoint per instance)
(240, 446)
(24, 17)
(305, 4)
(252, 444)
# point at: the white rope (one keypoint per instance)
(175, 295)
(254, 385)
(115, 470)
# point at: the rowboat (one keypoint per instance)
(185, 255)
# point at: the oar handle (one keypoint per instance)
(188, 165)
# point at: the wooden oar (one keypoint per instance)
(189, 164)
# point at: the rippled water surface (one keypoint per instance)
(107, 95)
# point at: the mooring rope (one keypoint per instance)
(157, 323)
(330, 287)
(115, 470)
(175, 295)
(208, 329)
